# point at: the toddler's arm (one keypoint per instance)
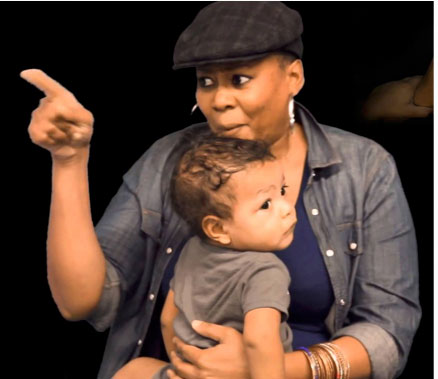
(261, 336)
(168, 314)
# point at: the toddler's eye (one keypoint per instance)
(205, 82)
(266, 204)
(239, 80)
(283, 190)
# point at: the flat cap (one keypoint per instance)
(239, 30)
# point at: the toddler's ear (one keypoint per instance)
(213, 228)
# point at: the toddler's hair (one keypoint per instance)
(197, 184)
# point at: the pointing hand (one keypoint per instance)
(60, 124)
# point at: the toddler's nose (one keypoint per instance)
(287, 209)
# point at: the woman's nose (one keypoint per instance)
(223, 99)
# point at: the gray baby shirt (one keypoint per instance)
(220, 286)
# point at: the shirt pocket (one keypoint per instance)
(351, 237)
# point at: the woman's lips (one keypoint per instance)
(229, 126)
(228, 129)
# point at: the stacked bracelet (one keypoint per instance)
(327, 361)
(314, 365)
(328, 368)
(341, 361)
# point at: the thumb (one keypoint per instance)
(213, 331)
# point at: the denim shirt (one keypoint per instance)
(357, 210)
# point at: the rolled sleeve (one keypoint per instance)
(381, 347)
(121, 240)
(128, 233)
(105, 312)
(123, 243)
(385, 310)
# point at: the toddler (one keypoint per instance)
(231, 192)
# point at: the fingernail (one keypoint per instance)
(195, 323)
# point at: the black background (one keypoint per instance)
(117, 58)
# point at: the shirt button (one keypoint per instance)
(353, 246)
(151, 296)
(342, 302)
(169, 250)
(315, 212)
(330, 253)
(139, 342)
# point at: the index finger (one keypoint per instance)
(44, 83)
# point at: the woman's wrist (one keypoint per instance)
(344, 357)
(327, 361)
(80, 158)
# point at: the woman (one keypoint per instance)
(362, 262)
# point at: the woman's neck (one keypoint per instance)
(292, 146)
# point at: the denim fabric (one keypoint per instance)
(363, 226)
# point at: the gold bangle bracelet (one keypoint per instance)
(328, 368)
(313, 362)
(341, 363)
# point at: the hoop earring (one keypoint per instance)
(194, 108)
(291, 112)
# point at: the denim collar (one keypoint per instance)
(321, 152)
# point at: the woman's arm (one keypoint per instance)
(168, 314)
(263, 346)
(356, 355)
(394, 101)
(75, 261)
(297, 366)
(228, 359)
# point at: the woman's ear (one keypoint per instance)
(295, 73)
(214, 229)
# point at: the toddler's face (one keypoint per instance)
(263, 220)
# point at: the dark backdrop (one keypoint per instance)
(116, 58)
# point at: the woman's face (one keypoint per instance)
(248, 100)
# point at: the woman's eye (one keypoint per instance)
(239, 80)
(283, 190)
(205, 82)
(266, 204)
